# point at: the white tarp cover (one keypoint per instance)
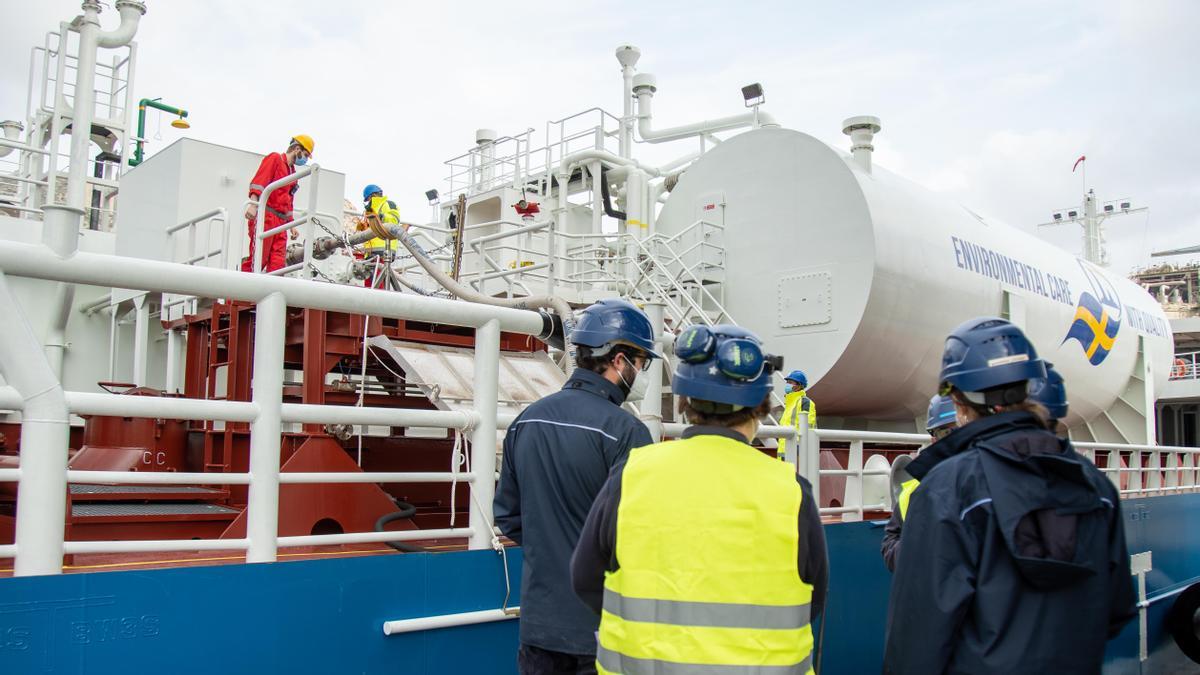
(447, 374)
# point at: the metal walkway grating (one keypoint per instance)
(86, 489)
(164, 509)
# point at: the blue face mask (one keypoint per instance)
(301, 160)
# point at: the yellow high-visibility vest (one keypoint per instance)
(795, 405)
(707, 545)
(388, 214)
(906, 490)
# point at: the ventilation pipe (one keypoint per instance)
(861, 131)
(644, 87)
(90, 40)
(627, 56)
(12, 132)
(485, 140)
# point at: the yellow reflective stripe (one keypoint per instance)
(609, 661)
(717, 614)
(639, 223)
(906, 490)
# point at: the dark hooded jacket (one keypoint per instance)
(1013, 558)
(557, 455)
(949, 445)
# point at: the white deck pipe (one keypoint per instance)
(90, 40)
(34, 261)
(449, 620)
(45, 434)
(644, 86)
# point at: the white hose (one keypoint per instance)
(555, 303)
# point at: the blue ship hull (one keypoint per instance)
(326, 616)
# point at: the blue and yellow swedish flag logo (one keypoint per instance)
(1094, 327)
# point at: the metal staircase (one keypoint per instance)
(685, 272)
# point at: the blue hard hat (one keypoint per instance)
(988, 352)
(941, 413)
(370, 190)
(723, 364)
(1050, 392)
(613, 321)
(798, 376)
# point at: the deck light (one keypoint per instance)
(754, 95)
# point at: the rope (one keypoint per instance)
(362, 383)
(457, 459)
(497, 546)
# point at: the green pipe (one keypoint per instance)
(141, 128)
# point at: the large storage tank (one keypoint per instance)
(857, 275)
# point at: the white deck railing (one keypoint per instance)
(1186, 366)
(43, 484)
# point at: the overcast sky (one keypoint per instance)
(988, 103)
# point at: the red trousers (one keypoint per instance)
(274, 253)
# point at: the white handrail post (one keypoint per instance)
(45, 434)
(257, 242)
(262, 507)
(1135, 477)
(310, 224)
(808, 455)
(854, 494)
(483, 440)
(224, 218)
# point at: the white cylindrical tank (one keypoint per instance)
(856, 276)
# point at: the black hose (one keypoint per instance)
(406, 511)
(608, 207)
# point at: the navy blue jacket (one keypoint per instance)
(557, 455)
(1013, 558)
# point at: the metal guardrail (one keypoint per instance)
(40, 541)
(1186, 366)
(306, 221)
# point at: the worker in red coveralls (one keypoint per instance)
(279, 205)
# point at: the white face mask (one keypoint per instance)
(637, 390)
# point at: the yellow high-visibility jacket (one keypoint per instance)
(387, 212)
(795, 405)
(707, 542)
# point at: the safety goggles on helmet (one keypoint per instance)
(739, 359)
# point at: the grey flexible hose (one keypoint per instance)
(555, 303)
